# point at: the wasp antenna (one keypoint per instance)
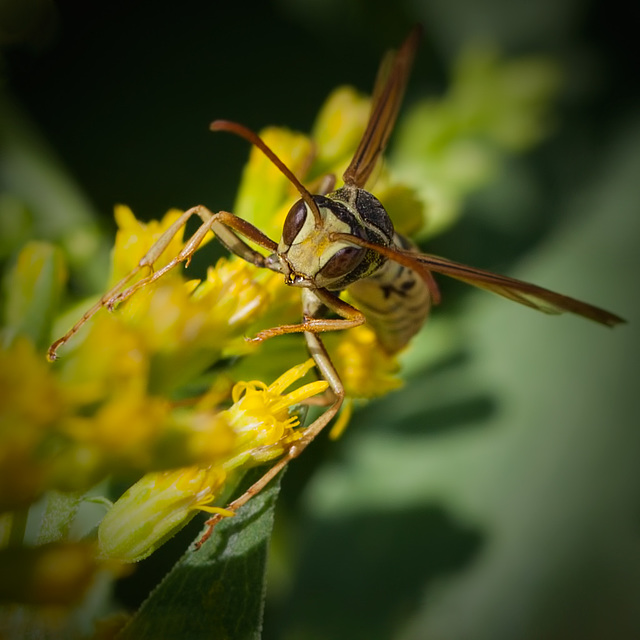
(257, 141)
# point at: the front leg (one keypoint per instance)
(313, 300)
(225, 225)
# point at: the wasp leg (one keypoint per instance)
(225, 225)
(328, 372)
(322, 400)
(350, 317)
(223, 222)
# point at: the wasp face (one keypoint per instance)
(309, 255)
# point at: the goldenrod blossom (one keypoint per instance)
(265, 193)
(159, 504)
(339, 127)
(154, 509)
(366, 369)
(134, 238)
(31, 404)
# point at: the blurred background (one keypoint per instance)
(497, 494)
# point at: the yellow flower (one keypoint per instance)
(134, 238)
(260, 415)
(159, 504)
(31, 404)
(366, 370)
(265, 194)
(180, 314)
(112, 359)
(169, 332)
(237, 294)
(186, 326)
(124, 429)
(30, 396)
(338, 129)
(154, 509)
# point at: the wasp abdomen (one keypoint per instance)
(395, 301)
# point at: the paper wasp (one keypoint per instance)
(341, 240)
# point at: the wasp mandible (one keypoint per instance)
(341, 240)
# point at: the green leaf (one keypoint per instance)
(217, 591)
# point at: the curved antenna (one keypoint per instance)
(254, 139)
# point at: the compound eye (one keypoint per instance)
(342, 262)
(294, 222)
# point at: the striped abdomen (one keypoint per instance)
(395, 301)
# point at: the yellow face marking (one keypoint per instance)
(312, 247)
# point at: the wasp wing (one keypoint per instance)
(525, 293)
(388, 93)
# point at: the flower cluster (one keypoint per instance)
(261, 429)
(134, 393)
(144, 389)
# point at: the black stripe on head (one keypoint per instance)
(373, 213)
(341, 212)
(370, 212)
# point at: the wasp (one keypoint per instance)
(341, 240)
